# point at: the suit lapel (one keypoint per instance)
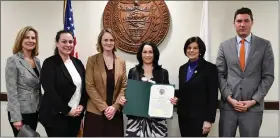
(63, 68)
(252, 50)
(183, 73)
(66, 73)
(117, 69)
(233, 48)
(26, 64)
(197, 70)
(101, 66)
(38, 66)
(194, 74)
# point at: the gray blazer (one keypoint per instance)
(23, 86)
(254, 82)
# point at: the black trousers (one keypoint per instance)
(190, 127)
(64, 126)
(27, 119)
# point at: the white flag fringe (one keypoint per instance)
(204, 29)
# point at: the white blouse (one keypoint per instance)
(75, 100)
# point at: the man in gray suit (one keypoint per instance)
(246, 72)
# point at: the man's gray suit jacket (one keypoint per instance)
(254, 82)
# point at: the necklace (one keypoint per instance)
(109, 62)
(31, 62)
(190, 69)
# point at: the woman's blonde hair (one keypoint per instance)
(99, 45)
(21, 35)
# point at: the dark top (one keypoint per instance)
(36, 71)
(160, 76)
(198, 97)
(110, 84)
(59, 89)
(191, 69)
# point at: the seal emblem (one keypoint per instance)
(136, 21)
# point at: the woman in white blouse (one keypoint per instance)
(63, 81)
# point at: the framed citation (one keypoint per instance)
(159, 101)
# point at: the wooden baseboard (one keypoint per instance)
(268, 105)
(271, 105)
(3, 96)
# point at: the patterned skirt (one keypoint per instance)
(146, 127)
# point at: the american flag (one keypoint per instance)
(69, 23)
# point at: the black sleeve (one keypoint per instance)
(212, 85)
(166, 77)
(177, 93)
(130, 74)
(84, 96)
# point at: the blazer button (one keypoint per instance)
(240, 88)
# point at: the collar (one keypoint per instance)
(20, 54)
(194, 63)
(248, 38)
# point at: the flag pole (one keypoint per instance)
(204, 29)
(64, 8)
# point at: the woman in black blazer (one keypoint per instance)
(198, 91)
(63, 81)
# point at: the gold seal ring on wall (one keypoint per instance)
(135, 22)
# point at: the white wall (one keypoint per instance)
(47, 18)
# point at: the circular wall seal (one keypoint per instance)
(135, 22)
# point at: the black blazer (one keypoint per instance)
(198, 97)
(160, 76)
(58, 89)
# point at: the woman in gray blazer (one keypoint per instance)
(22, 81)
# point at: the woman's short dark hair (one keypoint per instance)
(155, 51)
(200, 43)
(57, 37)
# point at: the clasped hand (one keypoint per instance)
(110, 112)
(241, 106)
(76, 111)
